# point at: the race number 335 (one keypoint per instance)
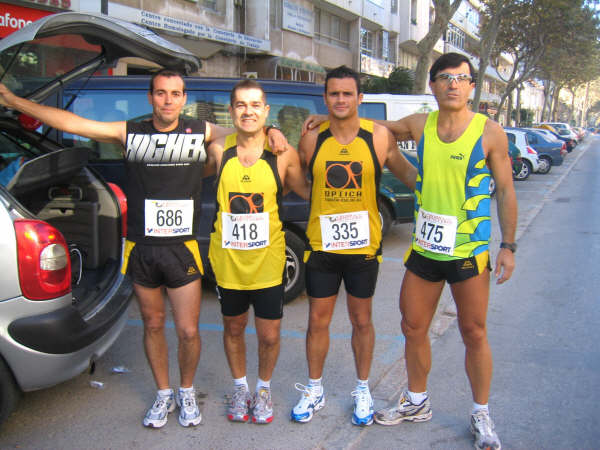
(168, 217)
(435, 232)
(345, 231)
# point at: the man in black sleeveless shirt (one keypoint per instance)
(164, 158)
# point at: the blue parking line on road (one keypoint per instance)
(390, 258)
(284, 333)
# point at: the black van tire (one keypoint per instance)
(385, 213)
(9, 391)
(294, 266)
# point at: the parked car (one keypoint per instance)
(64, 299)
(516, 162)
(529, 156)
(563, 129)
(551, 137)
(551, 131)
(549, 153)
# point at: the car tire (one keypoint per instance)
(294, 266)
(545, 165)
(9, 391)
(385, 213)
(492, 186)
(526, 169)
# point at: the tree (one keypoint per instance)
(400, 81)
(444, 10)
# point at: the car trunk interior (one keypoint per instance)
(59, 189)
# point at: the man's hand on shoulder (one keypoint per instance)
(313, 121)
(277, 140)
(6, 96)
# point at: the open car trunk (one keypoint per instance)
(59, 189)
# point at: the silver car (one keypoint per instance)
(63, 299)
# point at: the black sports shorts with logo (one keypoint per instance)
(452, 271)
(171, 265)
(325, 272)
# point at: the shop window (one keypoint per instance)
(331, 28)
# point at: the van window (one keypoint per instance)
(288, 112)
(372, 111)
(511, 137)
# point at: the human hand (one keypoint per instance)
(312, 121)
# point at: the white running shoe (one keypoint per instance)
(189, 414)
(312, 400)
(156, 417)
(363, 407)
(404, 410)
(482, 428)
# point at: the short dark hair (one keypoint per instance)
(247, 83)
(451, 60)
(165, 73)
(343, 72)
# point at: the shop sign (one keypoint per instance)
(374, 66)
(13, 18)
(186, 27)
(297, 19)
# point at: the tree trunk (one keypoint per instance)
(444, 10)
(518, 108)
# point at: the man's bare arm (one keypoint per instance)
(496, 142)
(294, 178)
(111, 132)
(214, 155)
(393, 158)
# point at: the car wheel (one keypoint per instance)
(294, 266)
(385, 214)
(492, 186)
(545, 165)
(525, 171)
(9, 391)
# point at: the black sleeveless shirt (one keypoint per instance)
(164, 166)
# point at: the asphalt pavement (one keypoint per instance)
(541, 329)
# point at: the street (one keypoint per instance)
(542, 325)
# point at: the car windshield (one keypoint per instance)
(27, 67)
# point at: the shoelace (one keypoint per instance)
(238, 399)
(160, 403)
(306, 390)
(187, 399)
(262, 400)
(483, 422)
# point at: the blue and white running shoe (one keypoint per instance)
(363, 407)
(312, 400)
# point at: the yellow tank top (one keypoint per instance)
(344, 217)
(247, 245)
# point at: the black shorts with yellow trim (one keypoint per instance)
(325, 272)
(171, 265)
(452, 271)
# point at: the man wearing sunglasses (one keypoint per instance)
(345, 157)
(458, 150)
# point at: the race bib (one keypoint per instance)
(436, 232)
(345, 231)
(245, 231)
(168, 218)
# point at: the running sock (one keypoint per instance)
(362, 384)
(416, 398)
(165, 392)
(316, 383)
(262, 384)
(479, 407)
(240, 382)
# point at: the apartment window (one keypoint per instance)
(455, 36)
(413, 12)
(394, 7)
(367, 42)
(331, 28)
(276, 13)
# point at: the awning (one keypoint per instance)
(298, 64)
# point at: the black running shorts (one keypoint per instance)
(325, 272)
(267, 302)
(172, 265)
(452, 271)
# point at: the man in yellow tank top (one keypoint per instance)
(457, 150)
(247, 245)
(345, 157)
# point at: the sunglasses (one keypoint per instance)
(460, 78)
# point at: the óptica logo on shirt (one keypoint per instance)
(246, 203)
(343, 174)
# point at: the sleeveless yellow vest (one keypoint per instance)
(248, 190)
(345, 179)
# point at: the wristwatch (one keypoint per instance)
(270, 127)
(512, 247)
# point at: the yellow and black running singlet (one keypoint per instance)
(247, 245)
(343, 206)
(452, 206)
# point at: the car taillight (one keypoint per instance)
(531, 151)
(122, 198)
(28, 122)
(43, 259)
